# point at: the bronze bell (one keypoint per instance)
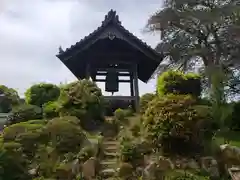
(111, 84)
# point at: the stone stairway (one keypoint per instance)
(109, 161)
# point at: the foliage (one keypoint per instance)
(200, 34)
(23, 113)
(8, 98)
(43, 145)
(42, 93)
(51, 110)
(120, 115)
(210, 40)
(65, 134)
(133, 152)
(112, 105)
(84, 100)
(177, 124)
(12, 165)
(177, 82)
(144, 100)
(111, 127)
(136, 130)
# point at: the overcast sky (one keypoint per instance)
(32, 30)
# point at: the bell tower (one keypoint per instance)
(112, 51)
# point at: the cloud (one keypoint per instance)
(31, 32)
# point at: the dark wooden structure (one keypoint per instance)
(114, 52)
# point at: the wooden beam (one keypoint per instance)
(113, 69)
(119, 74)
(120, 80)
(125, 98)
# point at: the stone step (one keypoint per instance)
(108, 173)
(111, 149)
(108, 164)
(110, 156)
(106, 143)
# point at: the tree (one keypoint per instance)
(42, 93)
(8, 98)
(198, 30)
(201, 33)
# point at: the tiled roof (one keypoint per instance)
(111, 17)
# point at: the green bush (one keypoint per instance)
(8, 99)
(65, 134)
(84, 100)
(144, 100)
(12, 166)
(136, 130)
(42, 93)
(133, 152)
(177, 124)
(176, 82)
(26, 134)
(23, 113)
(119, 114)
(51, 110)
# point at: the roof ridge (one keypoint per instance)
(111, 16)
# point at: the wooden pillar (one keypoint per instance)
(132, 90)
(136, 90)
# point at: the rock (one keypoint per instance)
(88, 168)
(192, 164)
(230, 154)
(153, 171)
(210, 165)
(149, 171)
(33, 171)
(76, 166)
(164, 164)
(125, 170)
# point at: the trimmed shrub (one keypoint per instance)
(65, 134)
(24, 113)
(84, 100)
(176, 82)
(177, 124)
(42, 93)
(51, 110)
(144, 100)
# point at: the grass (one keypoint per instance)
(232, 136)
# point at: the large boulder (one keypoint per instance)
(230, 154)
